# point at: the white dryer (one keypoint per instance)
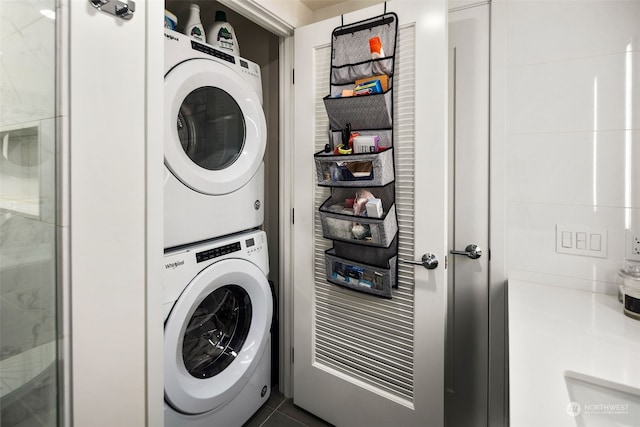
(214, 140)
(217, 346)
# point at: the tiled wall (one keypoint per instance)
(572, 135)
(27, 94)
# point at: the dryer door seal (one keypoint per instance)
(215, 128)
(215, 335)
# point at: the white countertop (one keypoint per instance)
(555, 330)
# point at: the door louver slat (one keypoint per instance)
(397, 348)
(391, 316)
(354, 370)
(365, 321)
(380, 356)
(373, 367)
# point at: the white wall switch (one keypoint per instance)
(596, 242)
(580, 240)
(632, 250)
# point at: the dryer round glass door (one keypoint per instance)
(211, 128)
(215, 128)
(215, 335)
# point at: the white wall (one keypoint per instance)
(571, 133)
(114, 89)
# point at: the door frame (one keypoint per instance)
(468, 345)
(498, 272)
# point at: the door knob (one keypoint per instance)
(429, 261)
(472, 251)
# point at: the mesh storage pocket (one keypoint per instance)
(340, 222)
(349, 73)
(355, 170)
(350, 43)
(363, 112)
(385, 137)
(362, 230)
(360, 276)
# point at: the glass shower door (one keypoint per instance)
(28, 303)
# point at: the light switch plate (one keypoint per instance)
(581, 240)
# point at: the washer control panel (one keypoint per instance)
(255, 245)
(252, 246)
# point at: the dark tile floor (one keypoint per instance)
(281, 412)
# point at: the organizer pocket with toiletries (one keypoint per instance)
(358, 163)
(365, 215)
(355, 170)
(370, 270)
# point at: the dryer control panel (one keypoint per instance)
(213, 52)
(217, 252)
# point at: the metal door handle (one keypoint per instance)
(429, 261)
(472, 251)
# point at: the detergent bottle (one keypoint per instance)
(222, 35)
(194, 26)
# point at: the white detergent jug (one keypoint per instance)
(222, 35)
(194, 26)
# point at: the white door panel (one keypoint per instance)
(361, 360)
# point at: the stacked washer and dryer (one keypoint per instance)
(218, 301)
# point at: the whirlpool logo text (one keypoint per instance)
(173, 265)
(170, 37)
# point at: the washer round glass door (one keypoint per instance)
(215, 129)
(215, 335)
(217, 331)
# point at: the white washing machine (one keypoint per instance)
(214, 140)
(217, 344)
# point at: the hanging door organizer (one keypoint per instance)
(358, 163)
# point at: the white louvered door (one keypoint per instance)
(361, 360)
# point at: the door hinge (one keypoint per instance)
(446, 262)
(293, 76)
(293, 216)
(292, 354)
